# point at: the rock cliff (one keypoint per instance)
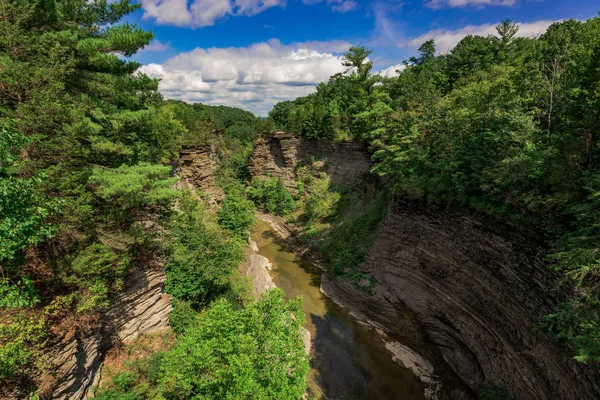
(475, 287)
(478, 288)
(196, 169)
(347, 163)
(77, 358)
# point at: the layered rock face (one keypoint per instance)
(196, 170)
(278, 155)
(478, 289)
(141, 308)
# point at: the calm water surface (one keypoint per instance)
(348, 359)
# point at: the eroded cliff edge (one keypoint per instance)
(476, 286)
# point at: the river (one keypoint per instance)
(348, 359)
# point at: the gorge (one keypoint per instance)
(431, 232)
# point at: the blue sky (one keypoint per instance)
(253, 53)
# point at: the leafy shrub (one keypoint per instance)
(181, 317)
(253, 353)
(20, 294)
(270, 195)
(321, 203)
(236, 212)
(21, 337)
(202, 258)
(96, 269)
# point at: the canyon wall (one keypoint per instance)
(77, 358)
(347, 163)
(196, 170)
(476, 287)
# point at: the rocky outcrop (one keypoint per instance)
(278, 155)
(257, 267)
(478, 289)
(197, 171)
(77, 358)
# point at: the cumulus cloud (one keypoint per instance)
(445, 40)
(201, 13)
(464, 3)
(254, 77)
(156, 45)
(391, 71)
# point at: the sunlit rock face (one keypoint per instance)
(278, 155)
(196, 170)
(143, 307)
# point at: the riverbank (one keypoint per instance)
(349, 357)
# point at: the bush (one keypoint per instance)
(253, 353)
(181, 317)
(271, 196)
(321, 203)
(236, 212)
(202, 258)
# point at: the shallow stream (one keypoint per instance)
(348, 359)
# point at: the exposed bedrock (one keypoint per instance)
(478, 289)
(77, 358)
(277, 155)
(196, 169)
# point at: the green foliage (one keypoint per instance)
(504, 124)
(253, 353)
(351, 235)
(181, 317)
(134, 187)
(202, 258)
(321, 203)
(21, 337)
(256, 352)
(20, 294)
(24, 211)
(236, 214)
(270, 195)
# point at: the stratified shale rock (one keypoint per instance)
(278, 155)
(475, 287)
(478, 288)
(77, 358)
(197, 171)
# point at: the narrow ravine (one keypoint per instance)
(348, 359)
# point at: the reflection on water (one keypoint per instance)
(348, 360)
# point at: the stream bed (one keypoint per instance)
(348, 359)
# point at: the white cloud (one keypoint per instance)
(464, 3)
(254, 77)
(156, 45)
(390, 71)
(201, 13)
(445, 40)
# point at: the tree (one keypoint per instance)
(256, 352)
(236, 213)
(356, 61)
(202, 259)
(24, 211)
